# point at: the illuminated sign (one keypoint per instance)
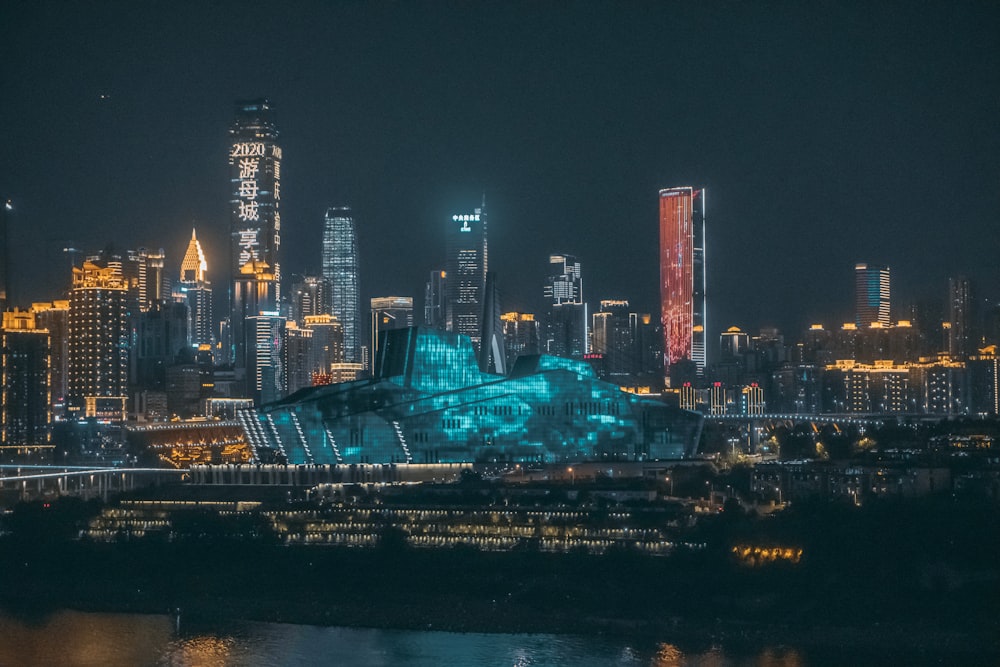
(255, 196)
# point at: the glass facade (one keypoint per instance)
(340, 268)
(871, 295)
(430, 403)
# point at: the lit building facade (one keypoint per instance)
(25, 411)
(143, 273)
(54, 318)
(467, 263)
(340, 268)
(196, 291)
(327, 343)
(682, 277)
(871, 295)
(520, 335)
(611, 335)
(962, 340)
(255, 222)
(266, 372)
(310, 296)
(429, 403)
(566, 323)
(98, 342)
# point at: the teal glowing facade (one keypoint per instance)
(428, 402)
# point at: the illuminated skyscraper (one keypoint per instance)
(520, 335)
(196, 291)
(612, 336)
(962, 339)
(327, 348)
(871, 294)
(25, 411)
(54, 317)
(566, 325)
(682, 276)
(255, 221)
(467, 263)
(340, 268)
(143, 273)
(267, 380)
(98, 341)
(310, 296)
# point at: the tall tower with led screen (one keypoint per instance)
(467, 262)
(255, 220)
(682, 278)
(340, 268)
(871, 294)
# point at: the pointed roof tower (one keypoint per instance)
(193, 266)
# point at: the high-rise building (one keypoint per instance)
(962, 340)
(520, 335)
(340, 268)
(161, 336)
(871, 295)
(612, 337)
(467, 263)
(266, 372)
(143, 273)
(196, 291)
(566, 323)
(98, 341)
(255, 223)
(25, 411)
(298, 355)
(682, 278)
(327, 343)
(310, 296)
(389, 312)
(436, 301)
(54, 318)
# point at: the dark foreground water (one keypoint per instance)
(70, 638)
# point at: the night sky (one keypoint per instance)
(826, 134)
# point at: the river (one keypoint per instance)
(73, 638)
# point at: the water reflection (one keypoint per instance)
(133, 640)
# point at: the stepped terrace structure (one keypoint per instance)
(428, 402)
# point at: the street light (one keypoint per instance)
(671, 480)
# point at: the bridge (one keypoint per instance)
(858, 419)
(756, 426)
(28, 482)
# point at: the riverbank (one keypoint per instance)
(689, 601)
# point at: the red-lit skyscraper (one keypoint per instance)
(682, 278)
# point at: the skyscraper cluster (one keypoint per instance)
(136, 337)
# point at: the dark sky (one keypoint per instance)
(826, 133)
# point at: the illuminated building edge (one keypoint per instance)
(429, 403)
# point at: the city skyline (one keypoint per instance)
(815, 162)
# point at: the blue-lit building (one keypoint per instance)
(428, 402)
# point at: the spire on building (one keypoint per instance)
(193, 266)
